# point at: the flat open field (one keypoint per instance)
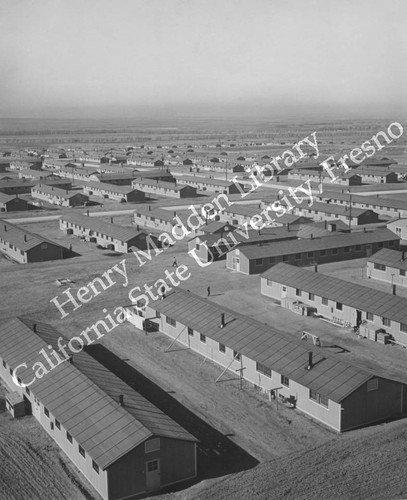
(248, 448)
(369, 464)
(33, 466)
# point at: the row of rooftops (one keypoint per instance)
(351, 294)
(390, 258)
(96, 224)
(84, 396)
(374, 201)
(342, 240)
(158, 184)
(20, 237)
(54, 191)
(330, 376)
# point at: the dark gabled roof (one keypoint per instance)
(6, 198)
(51, 190)
(24, 240)
(351, 294)
(109, 176)
(110, 188)
(332, 208)
(368, 200)
(30, 184)
(322, 243)
(390, 258)
(204, 180)
(161, 184)
(80, 396)
(159, 213)
(153, 174)
(265, 235)
(120, 233)
(278, 351)
(216, 226)
(382, 172)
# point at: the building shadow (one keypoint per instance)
(217, 455)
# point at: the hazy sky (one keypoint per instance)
(286, 54)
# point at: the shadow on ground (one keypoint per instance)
(217, 454)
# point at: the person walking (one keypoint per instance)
(209, 290)
(174, 263)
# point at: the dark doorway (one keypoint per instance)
(358, 318)
(28, 407)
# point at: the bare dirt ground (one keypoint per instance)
(33, 466)
(369, 464)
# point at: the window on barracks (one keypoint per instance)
(69, 437)
(369, 316)
(259, 262)
(318, 398)
(170, 321)
(222, 348)
(311, 296)
(339, 306)
(190, 332)
(298, 292)
(81, 450)
(324, 301)
(285, 380)
(202, 338)
(263, 369)
(386, 322)
(372, 385)
(402, 272)
(95, 466)
(237, 355)
(379, 267)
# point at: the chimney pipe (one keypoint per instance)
(111, 220)
(121, 400)
(309, 361)
(25, 238)
(222, 320)
(312, 236)
(403, 255)
(35, 327)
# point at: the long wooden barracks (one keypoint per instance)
(108, 235)
(380, 316)
(338, 394)
(120, 441)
